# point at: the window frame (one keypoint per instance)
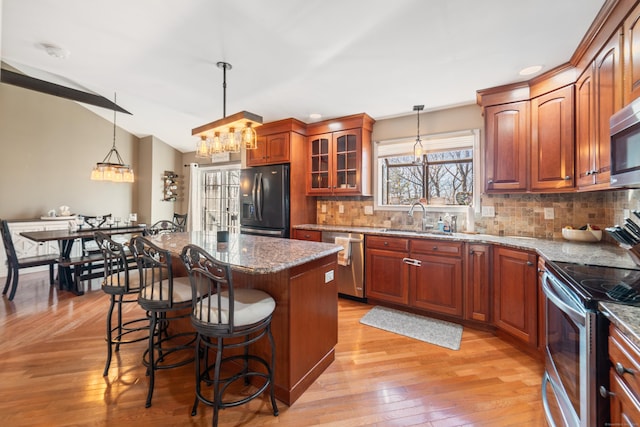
(442, 141)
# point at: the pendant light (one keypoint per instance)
(418, 149)
(228, 134)
(112, 167)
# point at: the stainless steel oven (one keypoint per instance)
(569, 386)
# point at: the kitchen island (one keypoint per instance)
(299, 275)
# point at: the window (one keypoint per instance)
(445, 177)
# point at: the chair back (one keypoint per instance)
(120, 269)
(211, 289)
(92, 220)
(12, 257)
(181, 220)
(157, 290)
(163, 226)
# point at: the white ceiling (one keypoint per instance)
(290, 58)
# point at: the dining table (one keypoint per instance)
(66, 240)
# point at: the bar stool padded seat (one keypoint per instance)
(251, 306)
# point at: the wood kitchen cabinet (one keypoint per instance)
(387, 275)
(507, 135)
(598, 96)
(416, 273)
(308, 235)
(477, 285)
(272, 149)
(552, 141)
(339, 157)
(624, 379)
(436, 284)
(515, 297)
(631, 36)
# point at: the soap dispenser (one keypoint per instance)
(440, 224)
(447, 224)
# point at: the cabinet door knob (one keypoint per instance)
(588, 172)
(567, 178)
(529, 263)
(621, 370)
(435, 248)
(605, 393)
(471, 252)
(386, 243)
(490, 181)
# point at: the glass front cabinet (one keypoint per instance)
(340, 161)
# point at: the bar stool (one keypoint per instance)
(122, 283)
(228, 318)
(162, 294)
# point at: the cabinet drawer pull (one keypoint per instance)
(386, 243)
(412, 261)
(435, 248)
(621, 370)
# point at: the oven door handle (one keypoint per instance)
(572, 311)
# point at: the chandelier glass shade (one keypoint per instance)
(228, 134)
(112, 167)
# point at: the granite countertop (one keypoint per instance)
(250, 254)
(625, 317)
(599, 253)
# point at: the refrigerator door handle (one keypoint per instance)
(258, 194)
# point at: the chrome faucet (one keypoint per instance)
(424, 213)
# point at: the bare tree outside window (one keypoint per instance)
(444, 175)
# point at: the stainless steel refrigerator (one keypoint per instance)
(264, 201)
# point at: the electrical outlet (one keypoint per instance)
(548, 213)
(328, 276)
(625, 213)
(323, 208)
(368, 210)
(386, 224)
(488, 211)
(340, 208)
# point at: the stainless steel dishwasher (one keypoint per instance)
(350, 277)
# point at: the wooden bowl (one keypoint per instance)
(582, 235)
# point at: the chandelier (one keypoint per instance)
(418, 150)
(228, 134)
(112, 167)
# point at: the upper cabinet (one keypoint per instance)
(552, 141)
(339, 156)
(631, 36)
(599, 95)
(529, 143)
(272, 149)
(507, 135)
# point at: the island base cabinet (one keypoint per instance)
(314, 320)
(304, 323)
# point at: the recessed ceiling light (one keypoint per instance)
(315, 116)
(530, 70)
(55, 51)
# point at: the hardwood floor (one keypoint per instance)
(52, 354)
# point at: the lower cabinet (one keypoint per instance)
(477, 288)
(387, 275)
(624, 379)
(515, 298)
(417, 273)
(308, 235)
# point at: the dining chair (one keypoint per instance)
(163, 226)
(181, 220)
(166, 299)
(122, 283)
(14, 264)
(228, 318)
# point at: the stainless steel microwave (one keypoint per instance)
(625, 146)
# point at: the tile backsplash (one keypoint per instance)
(515, 214)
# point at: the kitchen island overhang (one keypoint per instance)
(300, 276)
